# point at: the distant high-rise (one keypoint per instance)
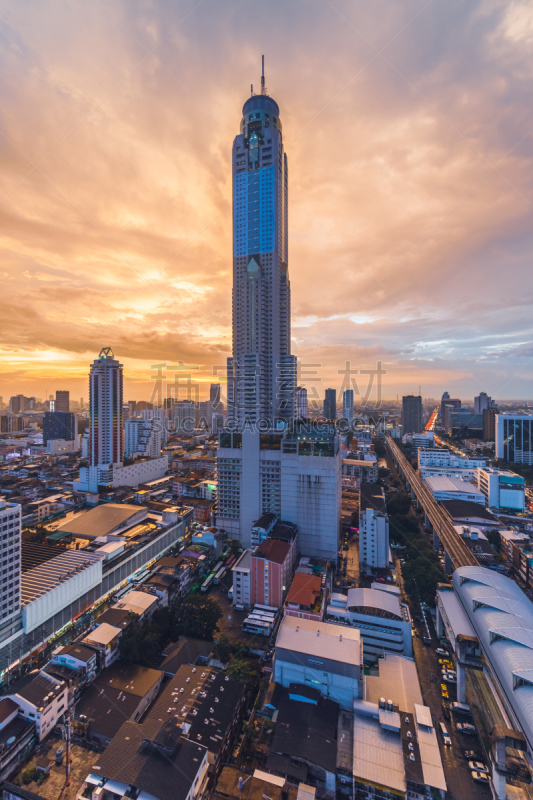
(59, 425)
(261, 371)
(10, 521)
(302, 409)
(514, 438)
(106, 435)
(214, 393)
(62, 402)
(347, 404)
(412, 414)
(481, 402)
(489, 423)
(330, 404)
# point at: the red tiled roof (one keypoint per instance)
(273, 550)
(304, 589)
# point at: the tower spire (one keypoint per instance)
(263, 89)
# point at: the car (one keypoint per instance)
(469, 754)
(445, 662)
(444, 690)
(466, 727)
(445, 735)
(449, 677)
(477, 766)
(441, 652)
(446, 711)
(481, 777)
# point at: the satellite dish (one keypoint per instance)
(11, 740)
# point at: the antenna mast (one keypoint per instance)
(263, 88)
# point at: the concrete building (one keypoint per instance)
(302, 409)
(60, 425)
(294, 474)
(42, 699)
(373, 528)
(62, 401)
(502, 489)
(142, 438)
(10, 523)
(347, 404)
(489, 423)
(412, 414)
(103, 641)
(320, 655)
(440, 457)
(242, 579)
(514, 438)
(271, 572)
(330, 404)
(482, 402)
(366, 470)
(395, 747)
(443, 488)
(383, 621)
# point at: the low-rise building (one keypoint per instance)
(366, 470)
(140, 603)
(76, 657)
(443, 488)
(502, 488)
(320, 655)
(383, 621)
(42, 699)
(104, 641)
(441, 457)
(306, 598)
(17, 737)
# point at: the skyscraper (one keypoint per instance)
(214, 393)
(347, 404)
(481, 402)
(330, 404)
(10, 520)
(261, 371)
(62, 401)
(302, 409)
(59, 425)
(279, 467)
(412, 419)
(106, 435)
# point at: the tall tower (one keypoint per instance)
(106, 435)
(261, 372)
(62, 402)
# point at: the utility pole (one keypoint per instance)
(67, 747)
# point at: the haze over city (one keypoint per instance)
(408, 127)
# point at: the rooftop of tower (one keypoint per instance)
(260, 102)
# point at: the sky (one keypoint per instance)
(408, 127)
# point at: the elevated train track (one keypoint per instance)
(452, 542)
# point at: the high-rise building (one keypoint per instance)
(514, 438)
(142, 438)
(10, 423)
(302, 409)
(489, 423)
(10, 522)
(18, 403)
(106, 439)
(373, 528)
(59, 425)
(261, 371)
(412, 414)
(62, 402)
(330, 404)
(214, 393)
(481, 402)
(347, 404)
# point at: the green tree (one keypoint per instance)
(224, 647)
(247, 671)
(197, 617)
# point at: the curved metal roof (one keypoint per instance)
(374, 598)
(502, 617)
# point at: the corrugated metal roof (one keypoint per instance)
(502, 617)
(374, 598)
(423, 715)
(377, 755)
(455, 613)
(336, 642)
(397, 680)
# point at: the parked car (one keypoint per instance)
(469, 754)
(446, 711)
(441, 652)
(445, 735)
(449, 677)
(460, 708)
(444, 690)
(477, 766)
(445, 662)
(466, 727)
(481, 777)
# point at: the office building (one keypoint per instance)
(481, 402)
(60, 425)
(463, 423)
(183, 412)
(383, 621)
(318, 654)
(11, 423)
(302, 409)
(142, 438)
(489, 423)
(440, 457)
(502, 489)
(18, 404)
(261, 370)
(10, 523)
(514, 438)
(62, 402)
(330, 404)
(373, 528)
(214, 394)
(412, 415)
(443, 488)
(347, 404)
(446, 400)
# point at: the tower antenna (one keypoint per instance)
(263, 89)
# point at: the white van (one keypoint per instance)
(445, 735)
(238, 607)
(461, 708)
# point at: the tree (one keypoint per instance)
(243, 670)
(224, 648)
(197, 617)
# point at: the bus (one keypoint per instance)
(261, 620)
(207, 583)
(254, 626)
(122, 592)
(230, 561)
(218, 566)
(219, 575)
(268, 609)
(140, 577)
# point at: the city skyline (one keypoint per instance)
(417, 201)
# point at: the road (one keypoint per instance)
(459, 553)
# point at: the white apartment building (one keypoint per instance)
(42, 699)
(242, 579)
(142, 438)
(443, 488)
(502, 488)
(440, 457)
(462, 473)
(10, 531)
(373, 528)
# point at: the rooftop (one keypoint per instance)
(42, 579)
(184, 651)
(304, 589)
(442, 483)
(78, 651)
(117, 617)
(35, 687)
(372, 497)
(375, 600)
(466, 510)
(102, 634)
(103, 520)
(273, 550)
(129, 678)
(336, 642)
